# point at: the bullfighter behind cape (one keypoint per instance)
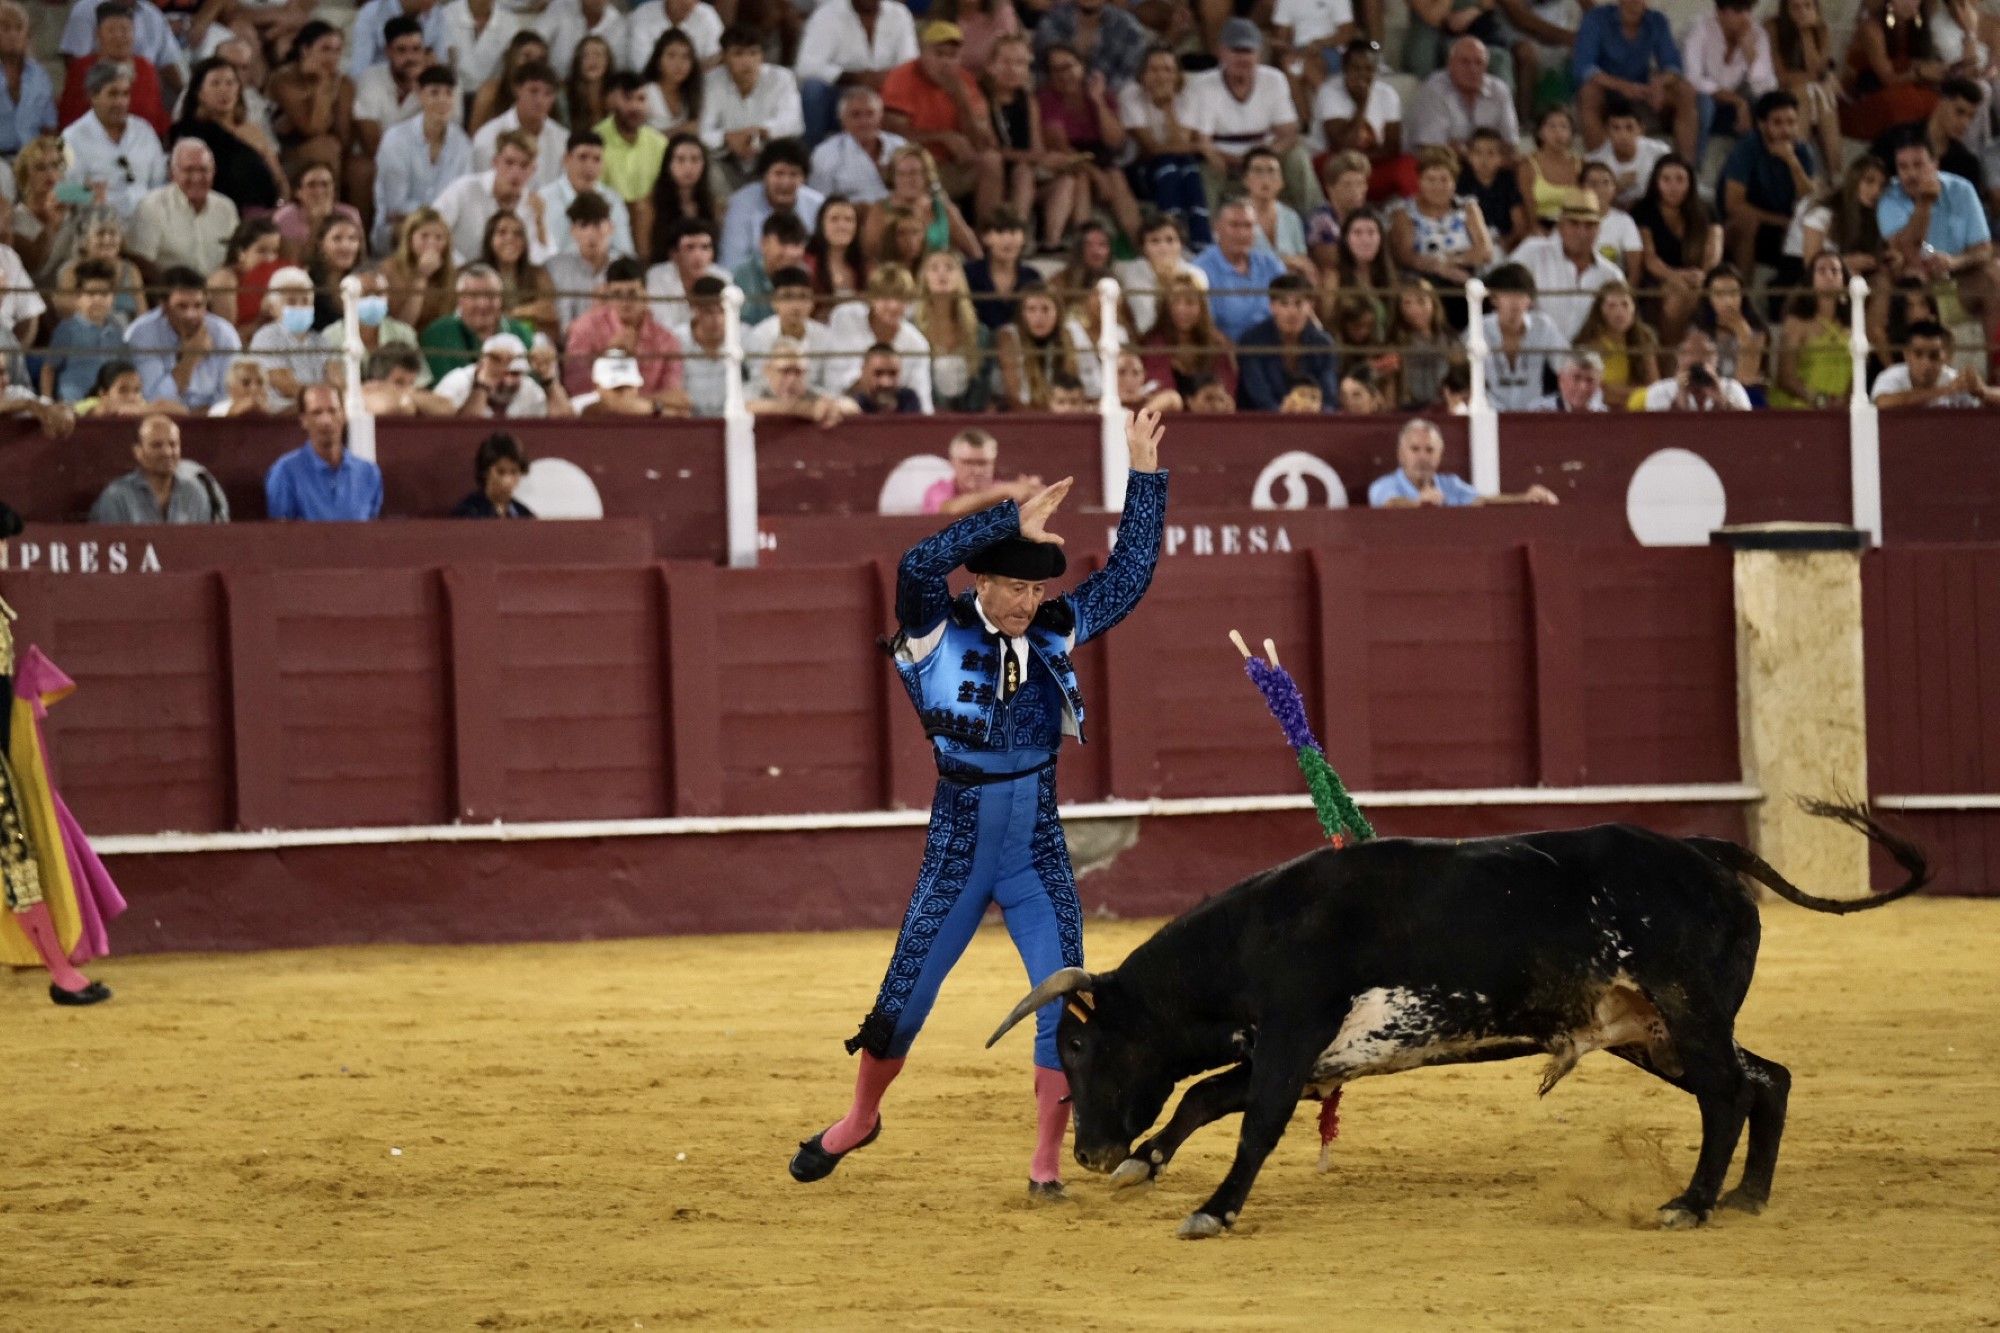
(58, 895)
(991, 677)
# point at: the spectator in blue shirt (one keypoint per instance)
(780, 187)
(1417, 484)
(1239, 273)
(320, 481)
(27, 97)
(1762, 182)
(367, 42)
(1286, 347)
(86, 340)
(182, 351)
(781, 245)
(1934, 220)
(1628, 48)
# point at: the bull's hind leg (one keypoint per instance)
(1205, 1103)
(1712, 1073)
(1770, 1089)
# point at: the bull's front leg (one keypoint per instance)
(1206, 1102)
(1269, 1100)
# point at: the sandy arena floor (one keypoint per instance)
(416, 1139)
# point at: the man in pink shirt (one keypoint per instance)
(621, 323)
(971, 486)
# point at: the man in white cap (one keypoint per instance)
(617, 390)
(498, 384)
(1244, 104)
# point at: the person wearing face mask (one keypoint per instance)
(991, 676)
(379, 328)
(293, 354)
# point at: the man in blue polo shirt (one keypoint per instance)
(320, 481)
(1240, 273)
(1934, 222)
(1628, 49)
(1417, 484)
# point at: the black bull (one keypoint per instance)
(1401, 953)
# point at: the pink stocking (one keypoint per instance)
(41, 932)
(870, 1082)
(1051, 1123)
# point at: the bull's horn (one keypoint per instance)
(1065, 982)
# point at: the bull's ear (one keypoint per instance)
(1068, 981)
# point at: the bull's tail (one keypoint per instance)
(1857, 817)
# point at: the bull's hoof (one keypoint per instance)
(1201, 1226)
(1132, 1171)
(1680, 1217)
(1744, 1201)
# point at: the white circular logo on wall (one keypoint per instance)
(1298, 471)
(1675, 499)
(903, 490)
(558, 488)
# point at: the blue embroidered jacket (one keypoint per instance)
(950, 663)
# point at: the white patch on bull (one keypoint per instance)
(1390, 1029)
(1621, 1015)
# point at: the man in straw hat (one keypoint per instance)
(991, 676)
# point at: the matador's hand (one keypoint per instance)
(1143, 433)
(1038, 509)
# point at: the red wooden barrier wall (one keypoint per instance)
(1939, 480)
(329, 698)
(1932, 638)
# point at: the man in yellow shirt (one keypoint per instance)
(634, 152)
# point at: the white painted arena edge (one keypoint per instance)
(270, 839)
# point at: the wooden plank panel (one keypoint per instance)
(581, 679)
(258, 771)
(1986, 618)
(144, 743)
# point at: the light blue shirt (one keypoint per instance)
(1239, 301)
(32, 113)
(365, 45)
(156, 347)
(1455, 489)
(301, 486)
(1516, 385)
(561, 194)
(840, 165)
(743, 224)
(151, 37)
(406, 179)
(1957, 221)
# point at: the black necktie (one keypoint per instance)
(1010, 669)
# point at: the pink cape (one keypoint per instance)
(37, 681)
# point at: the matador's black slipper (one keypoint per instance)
(1047, 1191)
(95, 993)
(813, 1162)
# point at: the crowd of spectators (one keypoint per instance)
(544, 204)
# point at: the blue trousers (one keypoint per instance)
(994, 843)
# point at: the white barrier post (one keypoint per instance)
(739, 440)
(1864, 423)
(1112, 459)
(360, 421)
(1481, 419)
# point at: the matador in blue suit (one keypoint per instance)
(991, 676)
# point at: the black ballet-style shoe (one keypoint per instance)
(813, 1162)
(1047, 1191)
(95, 993)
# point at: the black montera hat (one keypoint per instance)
(1019, 558)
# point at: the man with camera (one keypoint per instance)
(1697, 387)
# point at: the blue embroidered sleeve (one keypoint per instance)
(1108, 596)
(922, 593)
